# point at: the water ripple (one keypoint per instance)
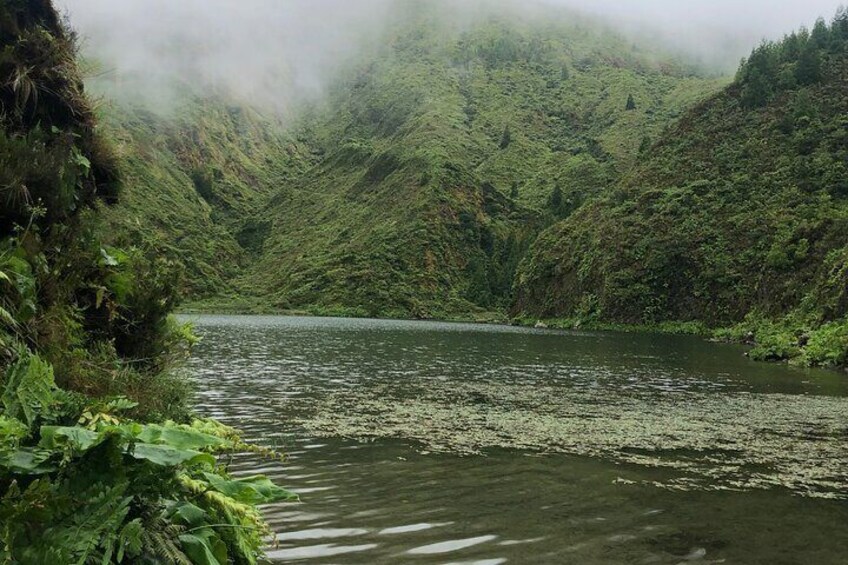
(414, 395)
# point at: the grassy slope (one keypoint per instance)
(418, 206)
(196, 178)
(739, 211)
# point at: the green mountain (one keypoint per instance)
(417, 186)
(197, 177)
(445, 155)
(739, 210)
(543, 166)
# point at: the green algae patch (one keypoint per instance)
(711, 441)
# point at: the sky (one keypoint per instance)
(276, 52)
(266, 51)
(718, 31)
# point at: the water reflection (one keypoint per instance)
(385, 502)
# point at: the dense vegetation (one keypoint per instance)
(446, 154)
(100, 459)
(196, 176)
(738, 214)
(418, 185)
(428, 174)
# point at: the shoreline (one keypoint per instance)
(791, 350)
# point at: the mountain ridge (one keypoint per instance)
(737, 216)
(419, 186)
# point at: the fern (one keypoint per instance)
(90, 533)
(28, 388)
(160, 540)
(107, 516)
(130, 542)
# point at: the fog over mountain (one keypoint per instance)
(719, 32)
(276, 52)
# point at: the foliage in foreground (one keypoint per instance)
(81, 484)
(100, 460)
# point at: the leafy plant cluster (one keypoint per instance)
(83, 484)
(100, 460)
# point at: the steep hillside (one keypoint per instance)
(740, 209)
(197, 176)
(444, 156)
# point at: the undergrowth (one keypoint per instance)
(101, 459)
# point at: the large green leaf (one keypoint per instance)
(251, 490)
(178, 438)
(204, 547)
(168, 456)
(29, 461)
(188, 514)
(79, 438)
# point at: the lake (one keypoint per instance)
(424, 442)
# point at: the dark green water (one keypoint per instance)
(447, 443)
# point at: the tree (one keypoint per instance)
(506, 138)
(757, 90)
(839, 30)
(555, 201)
(820, 36)
(808, 71)
(759, 75)
(790, 49)
(631, 103)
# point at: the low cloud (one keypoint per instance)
(275, 53)
(718, 32)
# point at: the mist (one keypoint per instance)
(278, 53)
(269, 53)
(717, 33)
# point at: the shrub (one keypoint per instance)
(828, 345)
(82, 484)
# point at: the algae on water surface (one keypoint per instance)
(708, 441)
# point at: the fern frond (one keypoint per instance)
(7, 318)
(29, 387)
(130, 542)
(160, 540)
